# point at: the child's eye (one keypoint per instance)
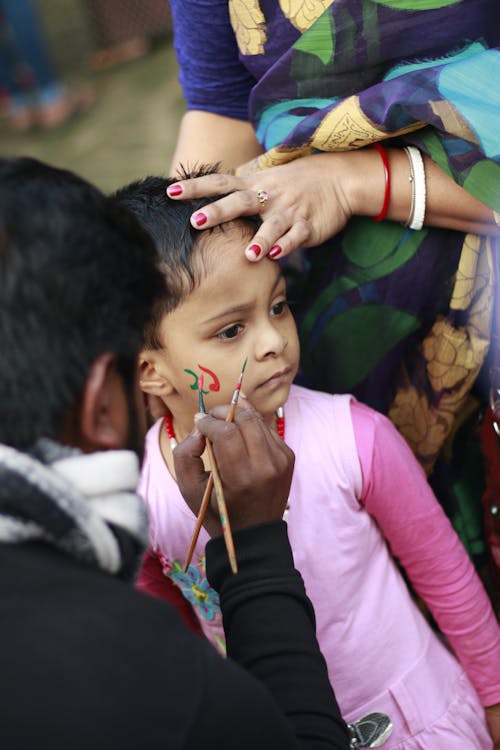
(231, 332)
(279, 308)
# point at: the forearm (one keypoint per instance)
(444, 577)
(206, 138)
(270, 630)
(447, 204)
(312, 198)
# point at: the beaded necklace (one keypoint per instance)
(169, 426)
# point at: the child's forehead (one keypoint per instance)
(221, 257)
(235, 232)
(217, 247)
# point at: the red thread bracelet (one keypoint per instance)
(387, 177)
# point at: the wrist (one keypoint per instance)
(361, 176)
(258, 548)
(365, 182)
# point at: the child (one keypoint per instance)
(357, 496)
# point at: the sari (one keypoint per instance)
(400, 318)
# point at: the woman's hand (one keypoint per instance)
(307, 202)
(304, 202)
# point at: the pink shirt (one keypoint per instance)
(357, 490)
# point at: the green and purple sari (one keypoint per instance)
(400, 318)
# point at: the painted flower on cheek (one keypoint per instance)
(212, 377)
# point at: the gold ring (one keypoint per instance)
(262, 196)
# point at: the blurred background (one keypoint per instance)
(117, 106)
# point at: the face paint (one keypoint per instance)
(194, 385)
(214, 385)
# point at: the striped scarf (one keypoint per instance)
(83, 504)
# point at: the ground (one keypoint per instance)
(130, 131)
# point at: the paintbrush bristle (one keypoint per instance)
(201, 403)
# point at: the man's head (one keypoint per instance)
(78, 280)
(220, 309)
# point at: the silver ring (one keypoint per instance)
(262, 196)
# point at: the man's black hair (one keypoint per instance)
(78, 277)
(176, 240)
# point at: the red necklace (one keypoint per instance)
(169, 426)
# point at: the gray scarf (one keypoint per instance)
(83, 504)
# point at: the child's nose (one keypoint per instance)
(270, 342)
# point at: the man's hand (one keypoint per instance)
(493, 720)
(254, 464)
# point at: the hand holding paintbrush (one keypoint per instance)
(214, 480)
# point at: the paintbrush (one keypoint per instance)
(219, 492)
(210, 484)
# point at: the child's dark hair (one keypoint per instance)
(167, 221)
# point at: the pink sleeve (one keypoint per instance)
(396, 493)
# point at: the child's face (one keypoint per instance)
(238, 311)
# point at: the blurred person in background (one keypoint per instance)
(36, 95)
(123, 30)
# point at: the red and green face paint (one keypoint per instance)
(214, 385)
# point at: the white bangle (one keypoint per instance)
(418, 189)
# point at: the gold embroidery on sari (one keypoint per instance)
(452, 357)
(347, 127)
(273, 158)
(303, 13)
(453, 122)
(248, 24)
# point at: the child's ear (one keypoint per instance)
(153, 376)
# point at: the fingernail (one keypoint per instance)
(255, 250)
(275, 251)
(199, 219)
(199, 416)
(174, 190)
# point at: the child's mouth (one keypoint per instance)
(281, 377)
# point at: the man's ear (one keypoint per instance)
(104, 413)
(154, 378)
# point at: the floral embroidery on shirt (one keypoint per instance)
(194, 586)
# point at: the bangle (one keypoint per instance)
(387, 178)
(418, 188)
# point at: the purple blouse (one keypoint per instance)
(214, 76)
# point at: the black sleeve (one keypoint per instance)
(270, 631)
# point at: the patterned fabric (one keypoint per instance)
(153, 581)
(400, 318)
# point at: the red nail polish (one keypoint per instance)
(174, 190)
(275, 251)
(200, 219)
(256, 250)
